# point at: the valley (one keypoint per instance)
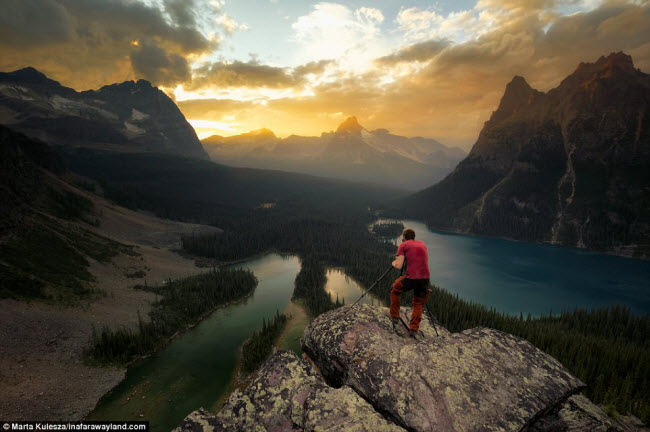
(351, 153)
(113, 200)
(44, 372)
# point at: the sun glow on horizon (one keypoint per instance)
(244, 94)
(207, 128)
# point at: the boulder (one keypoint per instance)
(359, 373)
(579, 414)
(476, 380)
(288, 394)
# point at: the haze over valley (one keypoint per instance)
(351, 152)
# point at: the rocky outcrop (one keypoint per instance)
(479, 379)
(288, 394)
(579, 414)
(360, 374)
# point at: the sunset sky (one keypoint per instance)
(435, 69)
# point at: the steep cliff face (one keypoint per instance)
(568, 166)
(358, 374)
(130, 116)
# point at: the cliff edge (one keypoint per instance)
(358, 374)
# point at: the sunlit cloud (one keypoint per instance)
(259, 95)
(229, 24)
(433, 72)
(334, 31)
(206, 128)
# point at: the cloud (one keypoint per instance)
(252, 74)
(457, 84)
(369, 15)
(315, 67)
(419, 52)
(34, 22)
(157, 65)
(420, 25)
(229, 25)
(241, 74)
(417, 72)
(89, 43)
(181, 12)
(333, 30)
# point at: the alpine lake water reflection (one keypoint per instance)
(196, 369)
(516, 277)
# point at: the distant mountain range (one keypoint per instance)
(135, 142)
(351, 153)
(128, 117)
(570, 166)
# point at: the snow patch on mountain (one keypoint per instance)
(138, 115)
(133, 129)
(79, 109)
(16, 92)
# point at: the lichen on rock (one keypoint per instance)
(359, 374)
(288, 394)
(479, 379)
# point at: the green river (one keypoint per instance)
(196, 369)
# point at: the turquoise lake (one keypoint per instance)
(532, 278)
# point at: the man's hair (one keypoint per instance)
(408, 234)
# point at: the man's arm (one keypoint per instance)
(399, 262)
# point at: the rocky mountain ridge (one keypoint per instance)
(351, 153)
(359, 375)
(567, 167)
(128, 117)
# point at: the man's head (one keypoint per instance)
(408, 234)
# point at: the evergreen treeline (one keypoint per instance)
(183, 302)
(310, 287)
(258, 347)
(334, 237)
(388, 229)
(606, 348)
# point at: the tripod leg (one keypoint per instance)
(432, 319)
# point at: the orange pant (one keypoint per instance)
(420, 296)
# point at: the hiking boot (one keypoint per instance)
(393, 319)
(413, 333)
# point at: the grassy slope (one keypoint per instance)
(45, 242)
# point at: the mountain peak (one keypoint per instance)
(518, 93)
(143, 83)
(30, 74)
(615, 60)
(350, 125)
(128, 86)
(588, 75)
(518, 83)
(262, 133)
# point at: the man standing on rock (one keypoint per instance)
(414, 254)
